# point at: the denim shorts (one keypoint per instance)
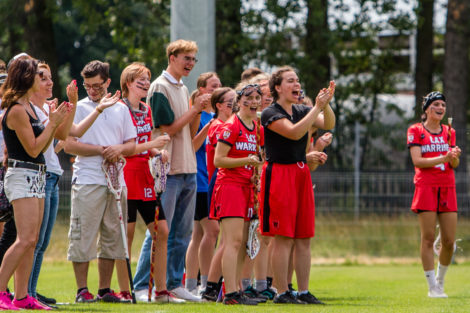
(24, 183)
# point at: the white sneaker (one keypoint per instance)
(166, 297)
(194, 292)
(142, 295)
(436, 292)
(183, 293)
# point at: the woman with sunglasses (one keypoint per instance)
(287, 209)
(26, 138)
(434, 155)
(232, 201)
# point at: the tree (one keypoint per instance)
(456, 62)
(424, 52)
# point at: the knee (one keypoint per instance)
(447, 243)
(427, 241)
(212, 233)
(27, 243)
(162, 234)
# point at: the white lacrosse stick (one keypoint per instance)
(113, 172)
(159, 171)
(252, 244)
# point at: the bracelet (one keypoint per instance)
(99, 110)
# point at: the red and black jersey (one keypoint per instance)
(137, 175)
(212, 137)
(432, 145)
(242, 141)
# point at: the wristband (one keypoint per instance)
(99, 110)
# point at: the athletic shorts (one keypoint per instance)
(139, 181)
(231, 200)
(287, 206)
(146, 210)
(435, 199)
(202, 208)
(24, 183)
(94, 211)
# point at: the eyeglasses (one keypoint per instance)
(245, 90)
(95, 87)
(190, 59)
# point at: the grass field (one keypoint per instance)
(355, 288)
(370, 265)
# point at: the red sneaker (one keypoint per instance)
(5, 301)
(30, 303)
(125, 296)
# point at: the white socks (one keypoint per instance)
(431, 278)
(441, 272)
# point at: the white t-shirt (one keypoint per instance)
(112, 127)
(52, 161)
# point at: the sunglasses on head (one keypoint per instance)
(246, 90)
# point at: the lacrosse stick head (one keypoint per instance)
(112, 171)
(253, 244)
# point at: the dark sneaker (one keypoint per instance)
(287, 297)
(111, 297)
(45, 299)
(292, 290)
(84, 297)
(253, 294)
(269, 292)
(210, 295)
(308, 298)
(238, 298)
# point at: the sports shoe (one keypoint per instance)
(30, 303)
(308, 298)
(436, 292)
(84, 297)
(269, 292)
(110, 297)
(210, 295)
(292, 290)
(183, 293)
(125, 296)
(5, 301)
(253, 294)
(142, 295)
(45, 299)
(165, 297)
(238, 298)
(287, 297)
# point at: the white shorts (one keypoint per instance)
(24, 183)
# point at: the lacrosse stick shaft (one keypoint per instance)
(126, 248)
(154, 248)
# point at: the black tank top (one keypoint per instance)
(14, 147)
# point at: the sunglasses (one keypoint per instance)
(245, 91)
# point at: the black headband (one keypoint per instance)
(430, 98)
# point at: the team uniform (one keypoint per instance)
(140, 183)
(434, 186)
(287, 206)
(212, 138)
(233, 190)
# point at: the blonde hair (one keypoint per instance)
(130, 73)
(180, 46)
(204, 77)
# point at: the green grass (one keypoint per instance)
(355, 288)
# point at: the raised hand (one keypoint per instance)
(109, 100)
(57, 114)
(202, 101)
(324, 141)
(317, 157)
(72, 92)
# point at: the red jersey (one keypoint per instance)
(242, 141)
(137, 175)
(432, 145)
(212, 137)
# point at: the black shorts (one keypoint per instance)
(202, 208)
(146, 210)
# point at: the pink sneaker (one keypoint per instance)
(30, 303)
(5, 301)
